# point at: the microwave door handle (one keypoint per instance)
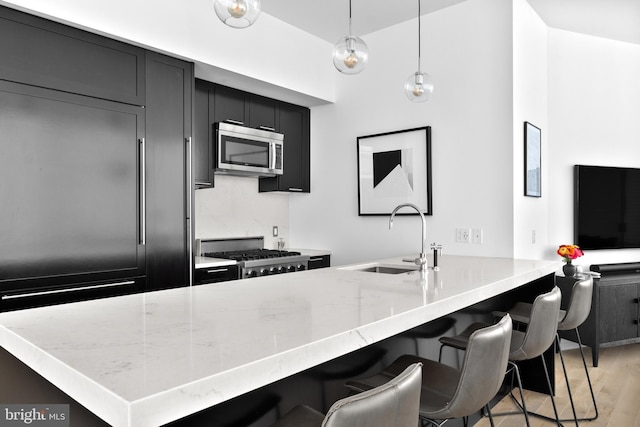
(272, 156)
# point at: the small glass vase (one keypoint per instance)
(569, 269)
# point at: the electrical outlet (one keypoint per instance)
(463, 235)
(275, 231)
(476, 235)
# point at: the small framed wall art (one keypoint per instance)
(532, 161)
(394, 168)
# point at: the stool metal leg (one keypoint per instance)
(586, 371)
(522, 406)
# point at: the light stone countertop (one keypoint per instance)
(147, 359)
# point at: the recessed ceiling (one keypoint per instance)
(329, 19)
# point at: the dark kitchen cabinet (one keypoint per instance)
(216, 274)
(202, 137)
(169, 83)
(262, 112)
(71, 217)
(102, 199)
(614, 315)
(294, 123)
(319, 262)
(40, 52)
(227, 104)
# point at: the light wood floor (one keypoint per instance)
(616, 383)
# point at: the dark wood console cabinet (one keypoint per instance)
(614, 313)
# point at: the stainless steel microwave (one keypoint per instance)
(246, 151)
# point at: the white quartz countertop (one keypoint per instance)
(148, 359)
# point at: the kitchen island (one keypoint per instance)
(149, 359)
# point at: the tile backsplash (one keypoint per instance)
(235, 208)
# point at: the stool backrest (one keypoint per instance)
(393, 404)
(483, 369)
(579, 305)
(542, 327)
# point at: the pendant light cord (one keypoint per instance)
(419, 32)
(350, 32)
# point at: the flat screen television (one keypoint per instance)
(607, 207)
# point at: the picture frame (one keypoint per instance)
(395, 168)
(532, 160)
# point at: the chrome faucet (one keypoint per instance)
(422, 258)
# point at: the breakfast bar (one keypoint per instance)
(151, 358)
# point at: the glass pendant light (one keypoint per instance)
(419, 85)
(350, 53)
(237, 13)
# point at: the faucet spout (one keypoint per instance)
(422, 260)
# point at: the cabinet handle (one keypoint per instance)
(315, 259)
(267, 128)
(295, 189)
(217, 270)
(143, 191)
(61, 291)
(189, 148)
(235, 122)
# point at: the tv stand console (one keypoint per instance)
(615, 312)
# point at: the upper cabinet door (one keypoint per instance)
(262, 113)
(293, 122)
(42, 53)
(229, 104)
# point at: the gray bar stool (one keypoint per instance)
(576, 313)
(539, 336)
(392, 404)
(448, 392)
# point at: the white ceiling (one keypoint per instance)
(329, 19)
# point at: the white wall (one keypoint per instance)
(530, 100)
(467, 50)
(594, 111)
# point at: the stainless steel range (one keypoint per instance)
(253, 260)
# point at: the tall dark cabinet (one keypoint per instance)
(95, 146)
(169, 86)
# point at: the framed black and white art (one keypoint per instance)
(394, 168)
(532, 161)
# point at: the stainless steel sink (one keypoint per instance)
(376, 268)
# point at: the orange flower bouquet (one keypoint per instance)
(568, 254)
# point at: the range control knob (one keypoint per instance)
(291, 268)
(252, 273)
(264, 272)
(274, 270)
(301, 267)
